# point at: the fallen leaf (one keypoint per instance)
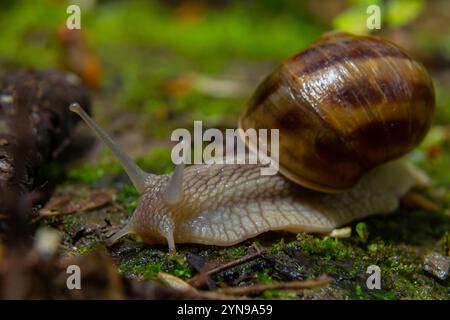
(63, 205)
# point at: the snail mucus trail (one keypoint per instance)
(347, 108)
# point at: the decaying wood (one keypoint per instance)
(35, 123)
(35, 126)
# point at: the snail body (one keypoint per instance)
(345, 107)
(226, 204)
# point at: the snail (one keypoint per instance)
(347, 107)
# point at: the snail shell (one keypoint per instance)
(344, 105)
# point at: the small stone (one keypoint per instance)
(73, 79)
(437, 265)
(6, 98)
(341, 233)
(47, 241)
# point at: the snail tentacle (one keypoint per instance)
(137, 176)
(173, 193)
(128, 229)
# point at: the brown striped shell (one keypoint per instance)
(344, 105)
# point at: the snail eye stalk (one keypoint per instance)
(136, 174)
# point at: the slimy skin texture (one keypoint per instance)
(226, 204)
(346, 107)
(223, 204)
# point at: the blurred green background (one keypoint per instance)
(153, 66)
(157, 65)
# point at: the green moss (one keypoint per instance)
(375, 294)
(157, 161)
(264, 276)
(326, 247)
(71, 223)
(28, 33)
(146, 271)
(359, 293)
(279, 294)
(88, 247)
(87, 173)
(236, 252)
(91, 172)
(128, 196)
(231, 253)
(149, 262)
(155, 25)
(383, 295)
(397, 266)
(179, 266)
(374, 247)
(278, 246)
(345, 260)
(362, 231)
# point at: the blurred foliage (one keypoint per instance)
(146, 47)
(157, 160)
(128, 197)
(219, 33)
(362, 231)
(401, 12)
(91, 172)
(394, 13)
(354, 18)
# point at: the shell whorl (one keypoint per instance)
(343, 106)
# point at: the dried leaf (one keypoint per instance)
(65, 204)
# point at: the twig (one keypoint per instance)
(187, 291)
(202, 277)
(293, 285)
(416, 200)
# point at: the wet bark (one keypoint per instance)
(35, 123)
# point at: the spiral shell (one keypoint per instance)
(344, 105)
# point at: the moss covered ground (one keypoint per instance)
(147, 51)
